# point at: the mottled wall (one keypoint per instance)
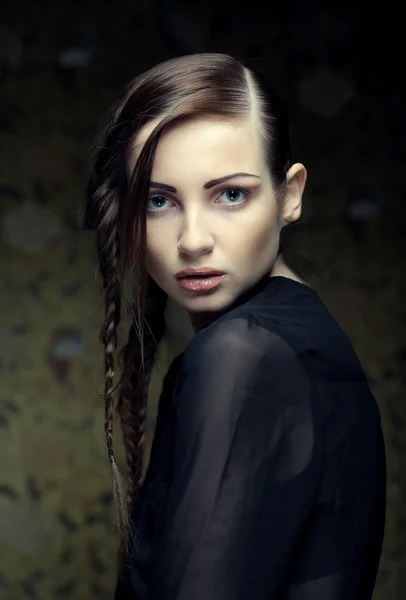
(55, 523)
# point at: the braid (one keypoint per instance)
(108, 251)
(139, 356)
(104, 213)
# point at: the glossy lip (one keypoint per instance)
(200, 284)
(190, 272)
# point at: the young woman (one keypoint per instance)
(267, 472)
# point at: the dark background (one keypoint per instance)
(339, 68)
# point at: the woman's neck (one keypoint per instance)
(281, 269)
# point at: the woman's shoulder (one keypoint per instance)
(235, 360)
(274, 324)
(318, 340)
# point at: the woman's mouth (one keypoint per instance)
(200, 283)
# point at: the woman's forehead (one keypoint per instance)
(204, 139)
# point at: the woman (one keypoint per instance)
(267, 472)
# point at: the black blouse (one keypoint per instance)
(267, 476)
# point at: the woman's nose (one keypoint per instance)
(195, 239)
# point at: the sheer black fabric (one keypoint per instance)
(267, 475)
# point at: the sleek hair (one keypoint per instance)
(209, 84)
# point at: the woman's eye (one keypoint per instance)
(157, 203)
(234, 195)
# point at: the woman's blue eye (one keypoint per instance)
(234, 195)
(156, 202)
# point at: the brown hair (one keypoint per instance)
(200, 84)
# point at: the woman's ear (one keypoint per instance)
(292, 204)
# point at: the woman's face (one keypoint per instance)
(212, 204)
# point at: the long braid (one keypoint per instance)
(104, 212)
(108, 251)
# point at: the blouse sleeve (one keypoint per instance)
(247, 466)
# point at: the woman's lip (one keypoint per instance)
(201, 283)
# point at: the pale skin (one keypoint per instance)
(233, 226)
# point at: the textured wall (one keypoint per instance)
(55, 524)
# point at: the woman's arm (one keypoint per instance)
(247, 468)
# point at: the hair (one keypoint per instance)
(208, 84)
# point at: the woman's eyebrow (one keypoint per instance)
(163, 186)
(213, 182)
(207, 185)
